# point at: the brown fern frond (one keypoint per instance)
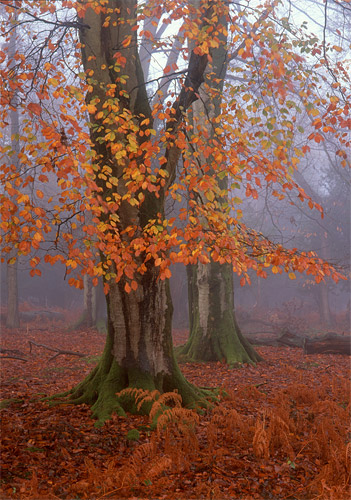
(301, 394)
(145, 450)
(133, 392)
(278, 434)
(157, 466)
(348, 456)
(164, 400)
(182, 416)
(260, 440)
(93, 472)
(333, 481)
(140, 396)
(328, 435)
(147, 397)
(230, 426)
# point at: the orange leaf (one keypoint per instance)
(34, 108)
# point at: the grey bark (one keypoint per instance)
(214, 332)
(12, 318)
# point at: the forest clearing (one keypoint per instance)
(280, 431)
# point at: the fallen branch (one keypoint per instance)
(58, 351)
(291, 339)
(11, 351)
(12, 354)
(13, 357)
(331, 343)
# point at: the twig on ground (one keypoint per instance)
(58, 351)
(12, 354)
(13, 357)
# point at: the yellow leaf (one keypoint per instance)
(53, 82)
(292, 276)
(210, 195)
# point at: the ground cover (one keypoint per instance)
(280, 431)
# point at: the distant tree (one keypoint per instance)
(12, 316)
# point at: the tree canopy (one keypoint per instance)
(78, 201)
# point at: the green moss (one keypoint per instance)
(92, 359)
(223, 340)
(101, 326)
(5, 403)
(133, 435)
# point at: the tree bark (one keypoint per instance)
(214, 332)
(12, 318)
(138, 351)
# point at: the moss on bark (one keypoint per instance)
(214, 332)
(99, 389)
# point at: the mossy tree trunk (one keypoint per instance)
(138, 351)
(214, 333)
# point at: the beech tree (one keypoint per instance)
(214, 331)
(12, 316)
(89, 125)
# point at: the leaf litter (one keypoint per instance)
(280, 430)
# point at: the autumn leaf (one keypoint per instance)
(34, 108)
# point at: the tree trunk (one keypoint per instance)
(88, 301)
(331, 343)
(138, 351)
(214, 332)
(323, 304)
(12, 316)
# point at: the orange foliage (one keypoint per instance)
(59, 194)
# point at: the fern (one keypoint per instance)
(165, 400)
(184, 419)
(260, 441)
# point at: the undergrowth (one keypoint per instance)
(300, 421)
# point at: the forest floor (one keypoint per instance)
(281, 431)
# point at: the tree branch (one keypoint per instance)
(58, 351)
